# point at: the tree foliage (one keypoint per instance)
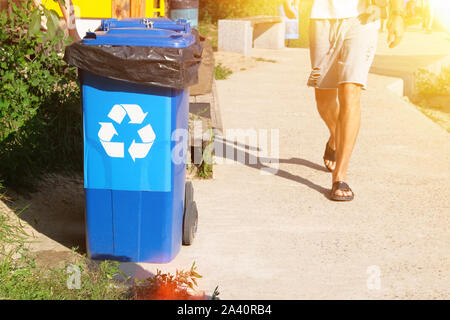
(213, 10)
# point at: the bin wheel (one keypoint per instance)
(189, 193)
(190, 223)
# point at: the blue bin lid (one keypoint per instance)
(159, 32)
(180, 25)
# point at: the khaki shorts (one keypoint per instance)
(342, 51)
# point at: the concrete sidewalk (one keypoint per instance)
(279, 237)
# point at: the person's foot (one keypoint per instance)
(340, 191)
(329, 157)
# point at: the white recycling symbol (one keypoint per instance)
(137, 150)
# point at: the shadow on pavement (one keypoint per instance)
(223, 145)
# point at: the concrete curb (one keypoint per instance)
(397, 87)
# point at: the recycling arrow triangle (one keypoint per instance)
(137, 150)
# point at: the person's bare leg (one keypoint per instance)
(347, 130)
(328, 107)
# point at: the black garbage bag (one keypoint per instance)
(163, 67)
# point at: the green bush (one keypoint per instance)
(40, 111)
(213, 10)
(305, 11)
(429, 84)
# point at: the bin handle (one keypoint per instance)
(148, 23)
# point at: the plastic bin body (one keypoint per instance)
(134, 191)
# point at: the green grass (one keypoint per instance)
(204, 170)
(12, 235)
(210, 31)
(266, 60)
(21, 278)
(221, 72)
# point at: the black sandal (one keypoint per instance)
(342, 186)
(329, 155)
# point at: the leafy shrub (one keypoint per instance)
(429, 84)
(40, 113)
(433, 95)
(213, 10)
(166, 286)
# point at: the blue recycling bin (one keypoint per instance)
(134, 153)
